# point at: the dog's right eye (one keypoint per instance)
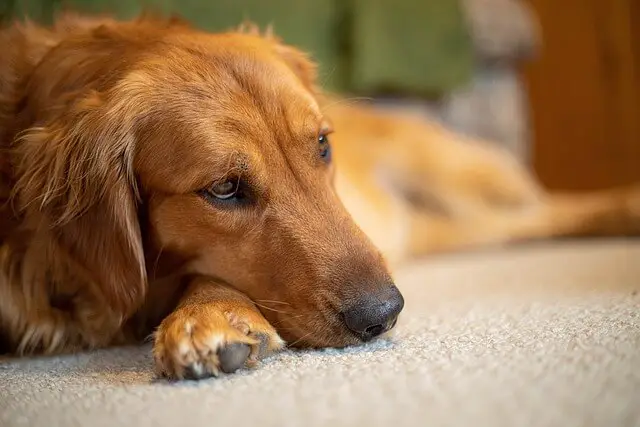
(224, 190)
(230, 190)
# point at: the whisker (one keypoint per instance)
(282, 326)
(272, 301)
(157, 260)
(325, 79)
(298, 316)
(348, 101)
(299, 339)
(270, 309)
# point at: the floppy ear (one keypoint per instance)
(299, 61)
(76, 179)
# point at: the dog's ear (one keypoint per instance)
(76, 179)
(299, 61)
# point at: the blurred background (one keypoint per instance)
(556, 82)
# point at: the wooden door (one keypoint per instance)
(585, 94)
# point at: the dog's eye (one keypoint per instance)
(325, 147)
(228, 191)
(224, 190)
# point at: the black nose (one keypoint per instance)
(375, 313)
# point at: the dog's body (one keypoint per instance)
(417, 188)
(156, 175)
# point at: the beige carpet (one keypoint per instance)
(538, 335)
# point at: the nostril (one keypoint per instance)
(374, 330)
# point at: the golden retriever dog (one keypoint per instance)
(161, 180)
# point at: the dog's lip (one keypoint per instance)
(356, 340)
(343, 336)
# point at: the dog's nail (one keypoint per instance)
(195, 372)
(233, 356)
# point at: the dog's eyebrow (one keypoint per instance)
(242, 162)
(301, 130)
(235, 163)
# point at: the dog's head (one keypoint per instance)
(213, 148)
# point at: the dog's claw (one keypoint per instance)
(233, 356)
(196, 372)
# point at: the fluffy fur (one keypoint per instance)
(113, 132)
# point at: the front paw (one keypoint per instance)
(202, 341)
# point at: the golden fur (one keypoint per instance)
(113, 135)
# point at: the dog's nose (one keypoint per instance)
(374, 314)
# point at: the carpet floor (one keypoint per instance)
(543, 334)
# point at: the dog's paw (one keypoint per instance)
(202, 341)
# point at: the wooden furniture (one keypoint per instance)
(585, 94)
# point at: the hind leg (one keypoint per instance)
(468, 193)
(605, 213)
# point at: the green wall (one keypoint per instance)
(364, 46)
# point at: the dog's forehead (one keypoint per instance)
(257, 100)
(270, 89)
(240, 86)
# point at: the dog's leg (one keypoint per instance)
(467, 193)
(613, 212)
(605, 213)
(215, 329)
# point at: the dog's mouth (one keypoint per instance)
(340, 338)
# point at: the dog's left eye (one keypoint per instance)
(325, 147)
